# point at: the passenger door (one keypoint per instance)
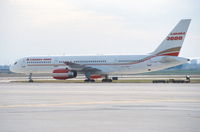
(23, 63)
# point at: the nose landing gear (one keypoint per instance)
(30, 77)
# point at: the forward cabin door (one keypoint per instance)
(23, 63)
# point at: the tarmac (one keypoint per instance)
(99, 107)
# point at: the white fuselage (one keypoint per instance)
(108, 64)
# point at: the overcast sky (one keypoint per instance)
(82, 27)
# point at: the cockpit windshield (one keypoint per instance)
(15, 63)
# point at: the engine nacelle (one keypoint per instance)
(63, 74)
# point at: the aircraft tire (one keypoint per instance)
(89, 80)
(107, 80)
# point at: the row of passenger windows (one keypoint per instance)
(36, 62)
(86, 61)
(133, 60)
(126, 60)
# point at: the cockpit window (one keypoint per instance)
(15, 63)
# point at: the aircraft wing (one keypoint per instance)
(82, 68)
(74, 65)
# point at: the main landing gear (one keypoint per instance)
(89, 80)
(30, 77)
(106, 79)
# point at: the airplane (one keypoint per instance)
(101, 66)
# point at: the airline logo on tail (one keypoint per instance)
(176, 36)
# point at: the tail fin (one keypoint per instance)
(172, 44)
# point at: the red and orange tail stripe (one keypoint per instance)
(170, 52)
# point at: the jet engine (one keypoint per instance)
(63, 74)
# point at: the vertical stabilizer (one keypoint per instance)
(172, 44)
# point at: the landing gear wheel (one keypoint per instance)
(30, 78)
(107, 80)
(89, 80)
